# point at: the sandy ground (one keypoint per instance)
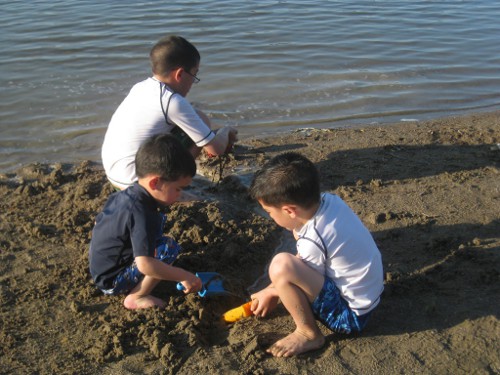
(429, 192)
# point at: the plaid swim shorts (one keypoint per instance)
(334, 312)
(167, 251)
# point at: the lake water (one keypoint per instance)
(267, 66)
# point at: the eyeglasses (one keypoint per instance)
(195, 79)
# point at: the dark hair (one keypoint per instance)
(172, 52)
(287, 178)
(165, 156)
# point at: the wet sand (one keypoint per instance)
(429, 192)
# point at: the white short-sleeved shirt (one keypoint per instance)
(337, 244)
(141, 116)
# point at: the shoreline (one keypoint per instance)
(254, 135)
(428, 191)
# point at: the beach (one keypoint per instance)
(429, 192)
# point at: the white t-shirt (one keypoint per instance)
(336, 243)
(141, 116)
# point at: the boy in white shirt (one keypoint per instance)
(158, 105)
(336, 275)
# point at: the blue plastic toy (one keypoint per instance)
(212, 284)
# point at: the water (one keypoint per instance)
(267, 66)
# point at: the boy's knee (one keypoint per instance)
(281, 266)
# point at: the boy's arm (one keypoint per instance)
(224, 138)
(222, 142)
(156, 269)
(193, 121)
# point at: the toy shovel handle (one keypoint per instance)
(201, 293)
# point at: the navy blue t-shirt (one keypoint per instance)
(129, 226)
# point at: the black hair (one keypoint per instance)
(172, 52)
(165, 156)
(288, 178)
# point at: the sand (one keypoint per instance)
(428, 191)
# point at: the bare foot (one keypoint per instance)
(133, 302)
(296, 343)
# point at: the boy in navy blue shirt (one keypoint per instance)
(128, 254)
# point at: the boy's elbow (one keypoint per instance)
(143, 263)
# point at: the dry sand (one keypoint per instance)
(429, 192)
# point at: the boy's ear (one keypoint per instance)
(177, 73)
(153, 182)
(290, 210)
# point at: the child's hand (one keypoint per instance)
(192, 284)
(264, 302)
(230, 136)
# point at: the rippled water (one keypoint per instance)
(267, 66)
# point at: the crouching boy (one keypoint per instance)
(128, 254)
(336, 275)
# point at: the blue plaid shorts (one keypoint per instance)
(167, 251)
(333, 311)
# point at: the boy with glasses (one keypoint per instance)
(158, 105)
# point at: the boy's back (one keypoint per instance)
(128, 226)
(140, 116)
(353, 260)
